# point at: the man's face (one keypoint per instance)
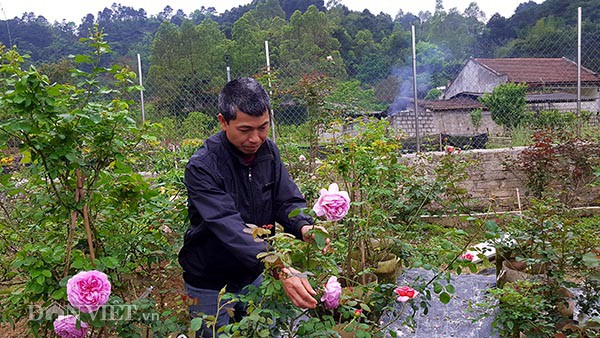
(247, 133)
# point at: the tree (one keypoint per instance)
(507, 104)
(549, 37)
(454, 32)
(497, 33)
(306, 44)
(189, 61)
(473, 12)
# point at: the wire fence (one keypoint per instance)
(489, 101)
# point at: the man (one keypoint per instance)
(237, 178)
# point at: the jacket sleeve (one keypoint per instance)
(220, 215)
(287, 199)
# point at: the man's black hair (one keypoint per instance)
(244, 94)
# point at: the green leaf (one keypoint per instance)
(59, 294)
(491, 225)
(450, 288)
(444, 298)
(294, 213)
(110, 262)
(590, 260)
(320, 238)
(67, 117)
(196, 324)
(80, 58)
(437, 287)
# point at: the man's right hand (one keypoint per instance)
(298, 289)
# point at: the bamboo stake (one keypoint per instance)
(86, 219)
(71, 229)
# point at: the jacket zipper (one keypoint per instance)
(251, 194)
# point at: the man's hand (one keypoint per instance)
(308, 237)
(298, 289)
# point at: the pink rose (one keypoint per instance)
(301, 158)
(331, 295)
(66, 327)
(467, 256)
(405, 293)
(332, 203)
(88, 290)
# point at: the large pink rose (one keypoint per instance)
(332, 203)
(331, 295)
(88, 290)
(66, 327)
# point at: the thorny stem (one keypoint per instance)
(379, 329)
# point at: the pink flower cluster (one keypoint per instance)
(332, 293)
(405, 293)
(87, 291)
(332, 203)
(66, 327)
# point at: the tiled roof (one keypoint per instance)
(539, 71)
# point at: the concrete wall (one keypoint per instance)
(490, 182)
(459, 123)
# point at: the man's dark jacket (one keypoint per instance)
(223, 195)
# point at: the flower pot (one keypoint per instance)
(388, 268)
(513, 271)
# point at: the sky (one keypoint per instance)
(75, 10)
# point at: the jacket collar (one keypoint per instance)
(264, 152)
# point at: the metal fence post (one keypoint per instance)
(273, 137)
(579, 72)
(414, 61)
(141, 89)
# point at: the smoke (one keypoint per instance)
(405, 93)
(431, 60)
